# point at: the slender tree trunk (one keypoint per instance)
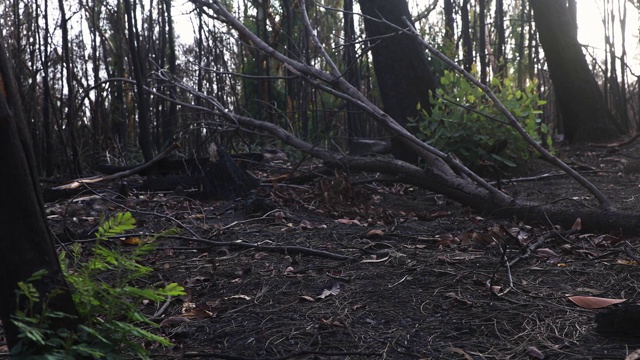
(467, 43)
(449, 24)
(402, 71)
(520, 67)
(97, 125)
(71, 113)
(144, 128)
(581, 103)
(501, 63)
(622, 113)
(170, 122)
(29, 248)
(49, 147)
(482, 39)
(355, 127)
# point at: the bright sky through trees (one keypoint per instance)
(590, 27)
(591, 30)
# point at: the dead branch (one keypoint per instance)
(435, 159)
(94, 179)
(277, 249)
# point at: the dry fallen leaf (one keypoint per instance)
(349, 222)
(308, 225)
(577, 225)
(375, 233)
(592, 302)
(546, 252)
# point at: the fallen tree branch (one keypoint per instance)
(243, 245)
(94, 179)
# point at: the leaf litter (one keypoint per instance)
(404, 273)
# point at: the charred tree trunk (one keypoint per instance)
(520, 68)
(355, 127)
(402, 70)
(467, 44)
(71, 113)
(49, 147)
(29, 247)
(449, 23)
(169, 124)
(581, 103)
(482, 40)
(144, 128)
(501, 63)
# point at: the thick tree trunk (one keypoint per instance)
(402, 71)
(584, 113)
(25, 243)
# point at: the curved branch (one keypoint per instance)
(602, 199)
(447, 166)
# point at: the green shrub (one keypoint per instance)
(466, 123)
(107, 295)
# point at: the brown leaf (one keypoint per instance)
(174, 321)
(199, 313)
(592, 302)
(375, 233)
(331, 322)
(432, 215)
(546, 252)
(307, 225)
(349, 222)
(577, 225)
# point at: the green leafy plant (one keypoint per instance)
(464, 122)
(39, 339)
(107, 293)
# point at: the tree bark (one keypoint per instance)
(169, 124)
(584, 113)
(402, 70)
(449, 23)
(467, 44)
(482, 40)
(70, 111)
(501, 63)
(26, 244)
(144, 128)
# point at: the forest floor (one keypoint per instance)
(349, 268)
